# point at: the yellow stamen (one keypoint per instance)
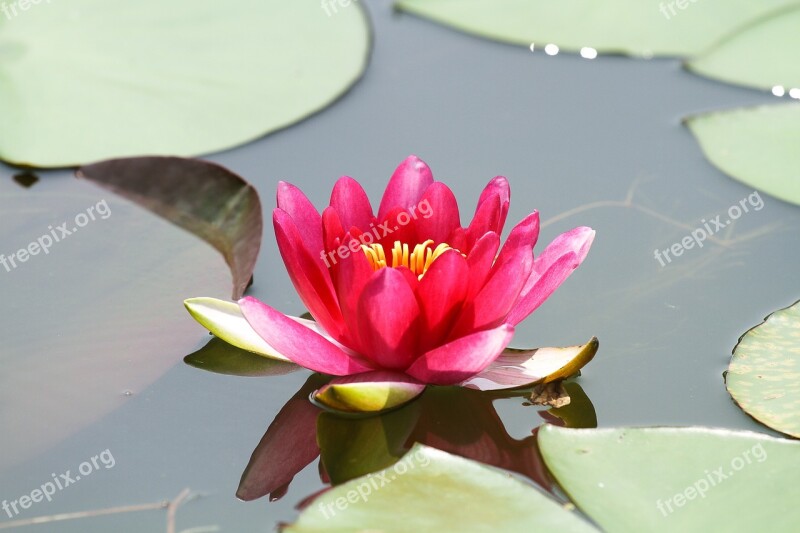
(417, 261)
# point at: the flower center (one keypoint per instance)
(418, 261)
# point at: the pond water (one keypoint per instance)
(94, 332)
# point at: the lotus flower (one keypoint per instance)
(408, 297)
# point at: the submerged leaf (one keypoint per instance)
(628, 27)
(757, 146)
(522, 368)
(764, 375)
(206, 199)
(676, 479)
(764, 55)
(431, 490)
(85, 80)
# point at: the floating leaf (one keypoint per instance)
(629, 27)
(223, 358)
(764, 55)
(206, 199)
(431, 490)
(97, 318)
(369, 392)
(85, 80)
(764, 374)
(522, 368)
(676, 479)
(757, 146)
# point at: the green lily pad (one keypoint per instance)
(222, 358)
(764, 375)
(631, 27)
(431, 490)
(757, 146)
(676, 479)
(206, 199)
(85, 80)
(762, 56)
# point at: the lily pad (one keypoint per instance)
(764, 375)
(762, 56)
(676, 479)
(89, 336)
(206, 199)
(431, 490)
(630, 27)
(85, 80)
(757, 146)
(222, 358)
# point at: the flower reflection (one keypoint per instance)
(457, 420)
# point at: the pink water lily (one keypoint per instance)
(407, 297)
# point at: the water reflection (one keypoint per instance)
(457, 420)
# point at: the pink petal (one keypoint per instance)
(305, 216)
(351, 275)
(486, 219)
(441, 294)
(508, 275)
(389, 319)
(297, 342)
(526, 233)
(480, 261)
(406, 186)
(332, 229)
(311, 278)
(439, 216)
(398, 226)
(499, 187)
(555, 265)
(351, 203)
(462, 358)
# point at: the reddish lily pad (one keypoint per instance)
(206, 199)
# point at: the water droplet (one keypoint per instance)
(778, 90)
(532, 47)
(588, 53)
(127, 393)
(795, 93)
(551, 49)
